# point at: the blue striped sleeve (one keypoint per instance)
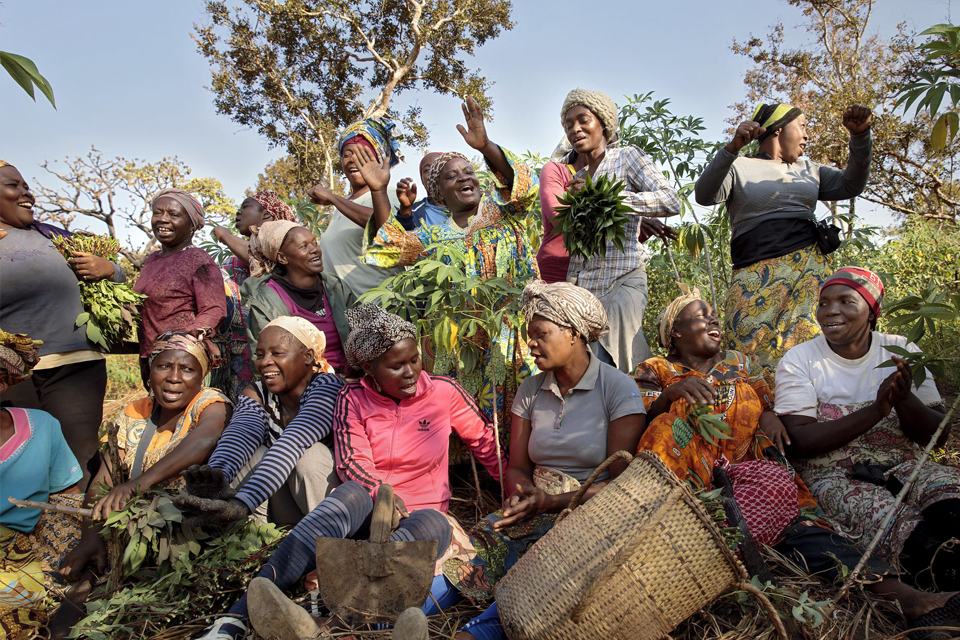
(312, 424)
(245, 433)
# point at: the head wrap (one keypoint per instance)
(568, 306)
(433, 178)
(424, 159)
(670, 313)
(276, 209)
(774, 117)
(190, 204)
(182, 341)
(265, 243)
(18, 356)
(601, 105)
(863, 281)
(4, 163)
(379, 133)
(373, 332)
(308, 335)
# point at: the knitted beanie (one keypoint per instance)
(600, 104)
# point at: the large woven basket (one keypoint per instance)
(634, 561)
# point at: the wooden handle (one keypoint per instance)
(578, 496)
(56, 508)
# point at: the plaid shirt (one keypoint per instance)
(648, 193)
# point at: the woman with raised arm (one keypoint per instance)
(486, 229)
(778, 262)
(858, 431)
(591, 146)
(775, 502)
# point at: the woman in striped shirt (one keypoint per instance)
(277, 447)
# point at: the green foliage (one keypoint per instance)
(123, 375)
(713, 428)
(179, 574)
(804, 609)
(713, 500)
(940, 78)
(25, 73)
(110, 308)
(591, 217)
(456, 310)
(312, 217)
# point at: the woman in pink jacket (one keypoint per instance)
(391, 427)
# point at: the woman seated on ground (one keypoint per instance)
(159, 436)
(698, 371)
(566, 421)
(236, 371)
(858, 431)
(182, 283)
(394, 423)
(35, 464)
(288, 279)
(278, 446)
(485, 229)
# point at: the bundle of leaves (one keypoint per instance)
(172, 574)
(591, 217)
(709, 425)
(713, 500)
(110, 308)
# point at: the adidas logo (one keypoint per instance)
(424, 425)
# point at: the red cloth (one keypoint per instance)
(362, 142)
(767, 496)
(552, 258)
(407, 444)
(185, 291)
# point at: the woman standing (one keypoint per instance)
(182, 283)
(619, 280)
(236, 373)
(486, 229)
(288, 279)
(778, 266)
(40, 297)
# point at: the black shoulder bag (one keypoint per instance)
(828, 236)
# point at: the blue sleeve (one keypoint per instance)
(312, 424)
(245, 433)
(65, 471)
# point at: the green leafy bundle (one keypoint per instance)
(713, 500)
(591, 217)
(174, 574)
(708, 424)
(110, 308)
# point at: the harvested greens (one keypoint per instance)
(591, 217)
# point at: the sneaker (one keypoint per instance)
(225, 628)
(275, 616)
(411, 625)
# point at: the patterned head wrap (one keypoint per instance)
(379, 133)
(4, 163)
(424, 159)
(190, 204)
(670, 313)
(600, 104)
(568, 306)
(309, 336)
(863, 281)
(182, 341)
(373, 332)
(774, 117)
(18, 356)
(433, 178)
(276, 209)
(265, 243)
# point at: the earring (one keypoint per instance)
(376, 385)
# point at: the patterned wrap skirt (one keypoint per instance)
(771, 306)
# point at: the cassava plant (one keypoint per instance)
(110, 308)
(591, 217)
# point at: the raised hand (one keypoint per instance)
(857, 119)
(475, 134)
(375, 173)
(319, 194)
(746, 132)
(204, 481)
(406, 193)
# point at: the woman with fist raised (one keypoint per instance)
(779, 260)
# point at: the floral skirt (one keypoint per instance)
(28, 569)
(771, 306)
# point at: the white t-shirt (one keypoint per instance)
(342, 247)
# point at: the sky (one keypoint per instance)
(129, 80)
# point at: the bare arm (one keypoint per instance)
(238, 246)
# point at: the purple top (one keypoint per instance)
(334, 351)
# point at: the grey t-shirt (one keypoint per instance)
(570, 433)
(342, 247)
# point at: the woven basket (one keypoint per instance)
(638, 558)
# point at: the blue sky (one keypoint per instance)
(128, 78)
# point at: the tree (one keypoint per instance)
(939, 78)
(117, 193)
(299, 71)
(287, 177)
(844, 65)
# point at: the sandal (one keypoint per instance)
(946, 616)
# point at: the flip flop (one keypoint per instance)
(946, 616)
